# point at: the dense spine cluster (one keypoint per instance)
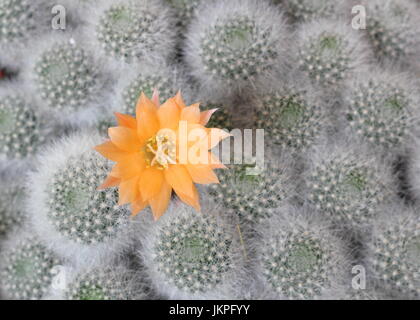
(308, 10)
(348, 185)
(391, 29)
(107, 283)
(381, 111)
(192, 255)
(235, 46)
(289, 119)
(134, 30)
(329, 53)
(26, 268)
(20, 127)
(394, 255)
(299, 258)
(72, 214)
(319, 171)
(66, 76)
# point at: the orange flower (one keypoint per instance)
(154, 154)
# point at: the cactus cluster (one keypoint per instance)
(319, 171)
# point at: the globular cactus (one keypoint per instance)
(329, 51)
(26, 267)
(393, 254)
(145, 79)
(391, 29)
(23, 127)
(232, 45)
(68, 78)
(21, 21)
(291, 116)
(347, 184)
(131, 30)
(191, 255)
(107, 282)
(12, 195)
(254, 195)
(308, 10)
(66, 208)
(299, 257)
(380, 110)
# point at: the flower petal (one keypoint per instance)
(193, 201)
(202, 174)
(168, 115)
(124, 138)
(125, 120)
(179, 179)
(150, 183)
(206, 115)
(128, 191)
(137, 206)
(110, 181)
(110, 151)
(179, 101)
(130, 166)
(159, 203)
(191, 114)
(147, 119)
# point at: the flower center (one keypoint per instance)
(161, 150)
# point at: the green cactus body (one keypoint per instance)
(346, 191)
(99, 285)
(396, 260)
(27, 270)
(77, 209)
(325, 59)
(297, 265)
(122, 27)
(289, 120)
(251, 197)
(193, 253)
(146, 84)
(16, 20)
(66, 77)
(379, 113)
(393, 39)
(19, 128)
(236, 49)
